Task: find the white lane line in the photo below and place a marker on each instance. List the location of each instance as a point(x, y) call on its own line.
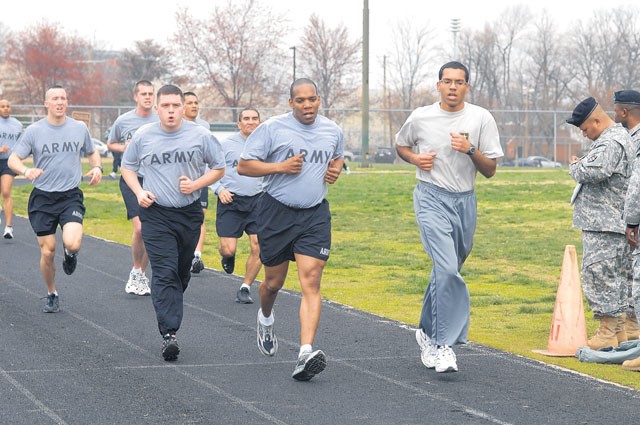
point(245, 404)
point(32, 398)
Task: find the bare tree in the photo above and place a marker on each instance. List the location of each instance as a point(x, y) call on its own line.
point(478, 51)
point(607, 48)
point(541, 80)
point(147, 60)
point(626, 21)
point(234, 50)
point(491, 54)
point(331, 59)
point(413, 50)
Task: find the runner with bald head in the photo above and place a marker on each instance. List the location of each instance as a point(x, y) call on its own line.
point(10, 130)
point(57, 144)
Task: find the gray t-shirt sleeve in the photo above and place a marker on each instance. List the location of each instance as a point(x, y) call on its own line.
point(213, 154)
point(131, 156)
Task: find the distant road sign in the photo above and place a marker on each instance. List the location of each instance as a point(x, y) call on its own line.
point(85, 117)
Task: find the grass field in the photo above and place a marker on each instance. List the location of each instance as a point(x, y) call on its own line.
point(378, 265)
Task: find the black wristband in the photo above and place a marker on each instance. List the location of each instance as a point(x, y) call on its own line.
point(631, 226)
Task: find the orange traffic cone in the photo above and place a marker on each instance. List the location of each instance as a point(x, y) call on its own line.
point(568, 327)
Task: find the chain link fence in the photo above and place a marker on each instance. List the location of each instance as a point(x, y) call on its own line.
point(523, 133)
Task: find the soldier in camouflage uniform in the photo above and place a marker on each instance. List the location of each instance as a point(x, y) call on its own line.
point(602, 176)
point(627, 113)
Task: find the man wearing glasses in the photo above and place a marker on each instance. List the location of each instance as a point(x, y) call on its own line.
point(448, 142)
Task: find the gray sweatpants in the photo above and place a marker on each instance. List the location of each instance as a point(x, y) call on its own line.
point(447, 223)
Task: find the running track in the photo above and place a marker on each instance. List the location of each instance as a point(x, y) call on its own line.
point(98, 361)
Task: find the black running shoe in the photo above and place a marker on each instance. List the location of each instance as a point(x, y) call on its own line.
point(228, 264)
point(69, 263)
point(197, 265)
point(170, 348)
point(309, 365)
point(52, 305)
point(243, 296)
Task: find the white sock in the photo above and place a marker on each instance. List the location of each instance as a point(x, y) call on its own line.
point(267, 321)
point(54, 292)
point(197, 254)
point(244, 285)
point(136, 271)
point(305, 348)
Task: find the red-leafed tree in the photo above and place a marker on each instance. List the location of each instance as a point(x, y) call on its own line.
point(42, 55)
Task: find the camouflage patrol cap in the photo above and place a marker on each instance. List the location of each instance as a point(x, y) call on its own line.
point(582, 111)
point(628, 97)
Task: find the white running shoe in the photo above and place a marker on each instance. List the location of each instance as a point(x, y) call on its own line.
point(8, 232)
point(133, 284)
point(428, 350)
point(143, 285)
point(446, 360)
point(266, 337)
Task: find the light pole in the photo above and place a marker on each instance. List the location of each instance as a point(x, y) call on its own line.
point(455, 29)
point(294, 61)
point(365, 84)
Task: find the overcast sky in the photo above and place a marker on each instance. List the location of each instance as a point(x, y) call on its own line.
point(115, 24)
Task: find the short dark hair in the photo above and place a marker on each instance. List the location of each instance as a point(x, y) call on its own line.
point(169, 89)
point(190, 93)
point(454, 65)
point(248, 109)
point(52, 87)
point(301, 82)
point(141, 83)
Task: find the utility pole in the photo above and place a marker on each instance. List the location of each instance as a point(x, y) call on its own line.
point(294, 61)
point(386, 98)
point(365, 85)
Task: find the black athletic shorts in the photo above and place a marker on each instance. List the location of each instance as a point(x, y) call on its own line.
point(47, 210)
point(130, 199)
point(284, 231)
point(239, 216)
point(204, 197)
point(4, 168)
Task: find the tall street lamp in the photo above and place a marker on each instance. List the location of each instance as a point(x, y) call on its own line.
point(455, 29)
point(294, 61)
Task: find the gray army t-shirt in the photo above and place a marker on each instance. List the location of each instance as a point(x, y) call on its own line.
point(127, 124)
point(10, 130)
point(163, 157)
point(232, 181)
point(281, 137)
point(57, 150)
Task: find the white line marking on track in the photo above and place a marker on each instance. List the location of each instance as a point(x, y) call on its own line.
point(32, 398)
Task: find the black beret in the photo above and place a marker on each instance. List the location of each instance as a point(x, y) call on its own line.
point(630, 97)
point(582, 111)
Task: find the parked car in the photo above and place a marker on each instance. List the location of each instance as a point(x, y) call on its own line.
point(101, 147)
point(348, 155)
point(506, 162)
point(385, 155)
point(538, 161)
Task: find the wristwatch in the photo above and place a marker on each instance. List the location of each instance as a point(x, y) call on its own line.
point(471, 150)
